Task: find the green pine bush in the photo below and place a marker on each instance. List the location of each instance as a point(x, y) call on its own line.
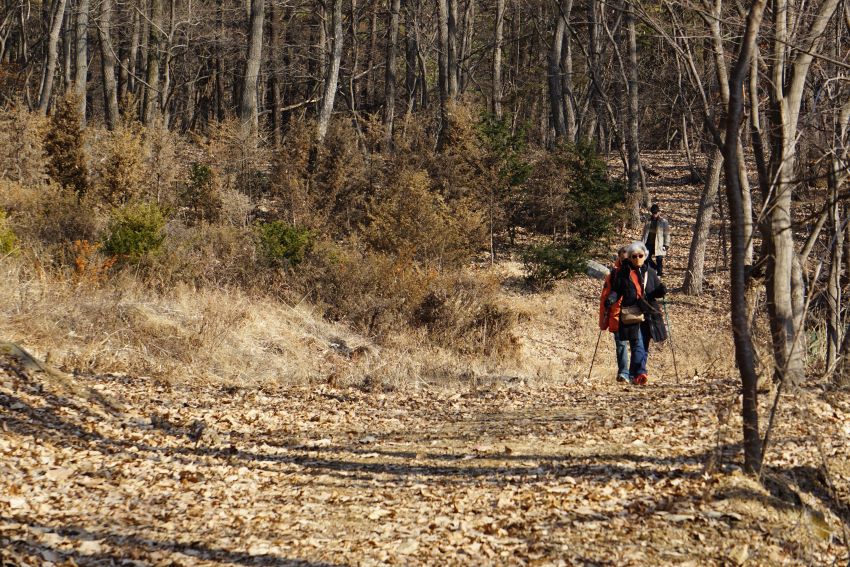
point(135, 230)
point(8, 240)
point(283, 245)
point(593, 203)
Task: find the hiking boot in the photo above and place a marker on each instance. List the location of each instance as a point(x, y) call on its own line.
point(640, 379)
point(622, 378)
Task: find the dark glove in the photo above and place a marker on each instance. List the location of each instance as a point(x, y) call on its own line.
point(658, 292)
point(611, 299)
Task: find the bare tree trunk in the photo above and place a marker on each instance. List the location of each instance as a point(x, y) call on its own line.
point(274, 80)
point(834, 325)
point(52, 56)
point(370, 58)
point(390, 74)
point(556, 96)
point(423, 71)
point(68, 51)
point(737, 274)
point(128, 71)
point(165, 92)
point(567, 74)
point(248, 105)
point(465, 45)
point(499, 36)
point(354, 50)
point(151, 105)
point(632, 138)
point(443, 66)
point(81, 57)
point(694, 275)
point(332, 74)
point(411, 48)
point(785, 291)
point(452, 49)
point(107, 61)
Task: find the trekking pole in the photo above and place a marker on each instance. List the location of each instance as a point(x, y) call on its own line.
point(672, 348)
point(593, 359)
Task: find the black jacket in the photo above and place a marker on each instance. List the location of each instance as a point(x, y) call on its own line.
point(653, 290)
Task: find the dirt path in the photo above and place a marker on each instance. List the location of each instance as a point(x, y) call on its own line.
point(590, 476)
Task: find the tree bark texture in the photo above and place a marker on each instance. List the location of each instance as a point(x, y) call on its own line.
point(332, 72)
point(107, 61)
point(52, 55)
point(81, 61)
point(390, 73)
point(248, 116)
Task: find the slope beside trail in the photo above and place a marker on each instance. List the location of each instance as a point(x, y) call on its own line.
point(553, 469)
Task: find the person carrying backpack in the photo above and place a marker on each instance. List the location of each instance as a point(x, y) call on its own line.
point(609, 319)
point(656, 237)
point(635, 289)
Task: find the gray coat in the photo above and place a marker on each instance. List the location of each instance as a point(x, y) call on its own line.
point(662, 236)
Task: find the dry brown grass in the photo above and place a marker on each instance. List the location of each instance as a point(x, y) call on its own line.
point(221, 335)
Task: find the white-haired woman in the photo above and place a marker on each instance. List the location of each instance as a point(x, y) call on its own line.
point(636, 287)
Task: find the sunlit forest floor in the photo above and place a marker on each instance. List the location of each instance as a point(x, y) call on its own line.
point(549, 465)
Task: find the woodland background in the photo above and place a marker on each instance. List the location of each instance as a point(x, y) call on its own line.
point(351, 174)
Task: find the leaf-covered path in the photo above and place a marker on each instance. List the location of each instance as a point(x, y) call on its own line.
point(509, 474)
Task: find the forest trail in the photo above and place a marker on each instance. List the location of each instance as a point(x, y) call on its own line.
point(558, 469)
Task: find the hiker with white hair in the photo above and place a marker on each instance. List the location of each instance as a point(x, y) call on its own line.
point(609, 317)
point(635, 288)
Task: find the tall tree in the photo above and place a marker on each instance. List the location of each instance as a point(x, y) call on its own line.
point(556, 95)
point(332, 71)
point(793, 51)
point(81, 63)
point(498, 39)
point(248, 105)
point(57, 16)
point(390, 72)
point(152, 95)
point(107, 61)
point(740, 323)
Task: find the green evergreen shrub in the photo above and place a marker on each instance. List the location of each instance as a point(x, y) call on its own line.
point(8, 240)
point(199, 196)
point(593, 204)
point(135, 230)
point(283, 245)
point(508, 164)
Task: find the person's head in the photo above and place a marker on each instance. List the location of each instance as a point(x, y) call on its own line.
point(637, 253)
point(621, 253)
point(655, 210)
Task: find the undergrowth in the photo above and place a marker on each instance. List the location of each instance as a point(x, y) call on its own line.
point(385, 244)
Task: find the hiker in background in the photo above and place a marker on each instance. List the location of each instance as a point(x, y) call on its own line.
point(656, 236)
point(635, 288)
point(609, 319)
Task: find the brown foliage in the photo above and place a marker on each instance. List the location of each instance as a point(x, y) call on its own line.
point(120, 175)
point(408, 219)
point(90, 267)
point(49, 215)
point(382, 294)
point(22, 145)
point(64, 146)
point(323, 188)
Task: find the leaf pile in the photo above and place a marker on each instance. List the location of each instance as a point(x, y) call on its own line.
point(560, 475)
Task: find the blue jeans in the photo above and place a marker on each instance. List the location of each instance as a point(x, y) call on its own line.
point(622, 347)
point(639, 346)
